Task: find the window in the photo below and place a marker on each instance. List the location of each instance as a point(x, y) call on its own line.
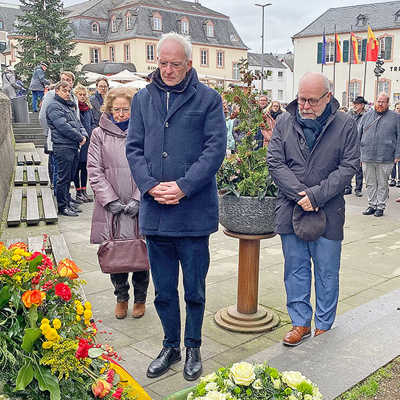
point(129, 22)
point(220, 59)
point(150, 52)
point(113, 24)
point(184, 26)
point(233, 37)
point(280, 94)
point(94, 55)
point(127, 52)
point(235, 71)
point(397, 18)
point(112, 54)
point(330, 52)
point(1, 25)
point(385, 48)
point(269, 74)
point(396, 97)
point(210, 29)
point(354, 89)
point(280, 75)
point(157, 24)
point(95, 27)
point(384, 86)
point(361, 20)
point(204, 57)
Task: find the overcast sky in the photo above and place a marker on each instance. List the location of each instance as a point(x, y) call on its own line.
point(283, 18)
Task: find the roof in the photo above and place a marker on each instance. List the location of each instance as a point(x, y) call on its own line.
point(379, 16)
point(287, 58)
point(8, 14)
point(106, 68)
point(255, 59)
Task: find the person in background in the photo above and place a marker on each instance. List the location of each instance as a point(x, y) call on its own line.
point(37, 85)
point(396, 166)
point(397, 107)
point(270, 115)
point(230, 142)
point(11, 86)
point(97, 99)
point(87, 120)
point(343, 109)
point(116, 193)
point(358, 110)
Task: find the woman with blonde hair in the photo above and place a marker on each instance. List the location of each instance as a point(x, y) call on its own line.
point(87, 120)
point(116, 193)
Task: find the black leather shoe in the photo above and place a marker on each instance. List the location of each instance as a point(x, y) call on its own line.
point(68, 213)
point(347, 190)
point(369, 211)
point(74, 208)
point(392, 182)
point(193, 367)
point(358, 193)
point(167, 357)
point(378, 213)
point(75, 201)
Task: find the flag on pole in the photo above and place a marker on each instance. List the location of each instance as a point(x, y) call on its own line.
point(323, 56)
point(372, 46)
point(339, 55)
point(354, 44)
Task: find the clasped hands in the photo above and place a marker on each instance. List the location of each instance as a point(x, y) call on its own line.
point(167, 193)
point(305, 202)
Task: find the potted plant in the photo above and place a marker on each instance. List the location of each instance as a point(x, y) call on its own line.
point(247, 193)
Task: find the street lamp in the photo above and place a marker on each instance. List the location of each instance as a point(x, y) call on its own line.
point(262, 43)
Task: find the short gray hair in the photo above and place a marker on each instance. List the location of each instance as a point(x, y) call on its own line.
point(176, 37)
point(316, 75)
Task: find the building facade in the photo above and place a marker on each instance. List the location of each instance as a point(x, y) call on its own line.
point(347, 79)
point(8, 16)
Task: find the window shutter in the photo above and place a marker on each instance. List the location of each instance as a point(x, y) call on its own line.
point(319, 53)
point(364, 50)
point(388, 48)
point(345, 50)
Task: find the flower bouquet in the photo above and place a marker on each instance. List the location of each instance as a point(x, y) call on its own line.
point(48, 347)
point(243, 381)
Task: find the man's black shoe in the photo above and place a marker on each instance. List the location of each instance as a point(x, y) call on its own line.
point(378, 213)
point(193, 367)
point(75, 201)
point(369, 211)
point(347, 190)
point(392, 182)
point(68, 212)
point(167, 357)
point(398, 183)
point(358, 193)
point(75, 208)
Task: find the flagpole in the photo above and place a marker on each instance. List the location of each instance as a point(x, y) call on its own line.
point(323, 51)
point(350, 59)
point(365, 72)
point(334, 64)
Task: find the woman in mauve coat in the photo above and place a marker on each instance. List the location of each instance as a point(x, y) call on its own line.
point(116, 193)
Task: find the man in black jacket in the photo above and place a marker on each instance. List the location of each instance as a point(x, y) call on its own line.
point(67, 134)
point(313, 154)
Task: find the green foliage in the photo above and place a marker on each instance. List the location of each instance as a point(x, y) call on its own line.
point(44, 34)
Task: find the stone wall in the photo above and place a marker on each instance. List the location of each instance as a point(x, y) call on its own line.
point(7, 152)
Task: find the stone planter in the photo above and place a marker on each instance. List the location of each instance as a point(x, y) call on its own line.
point(247, 215)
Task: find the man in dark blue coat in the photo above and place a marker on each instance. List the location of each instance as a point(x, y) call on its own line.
point(176, 144)
point(313, 154)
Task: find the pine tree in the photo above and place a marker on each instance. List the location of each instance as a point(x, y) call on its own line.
point(44, 35)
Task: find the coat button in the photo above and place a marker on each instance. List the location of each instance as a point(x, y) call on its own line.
point(164, 154)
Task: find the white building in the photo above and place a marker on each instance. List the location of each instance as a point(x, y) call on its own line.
point(278, 84)
point(384, 19)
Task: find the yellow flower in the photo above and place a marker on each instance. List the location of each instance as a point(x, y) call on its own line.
point(77, 303)
point(17, 278)
point(78, 318)
point(45, 321)
point(47, 345)
point(79, 310)
point(243, 373)
point(16, 257)
point(45, 328)
point(52, 335)
point(87, 314)
point(88, 305)
point(57, 323)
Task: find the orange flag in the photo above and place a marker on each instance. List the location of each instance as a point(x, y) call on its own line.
point(354, 43)
point(372, 46)
point(339, 55)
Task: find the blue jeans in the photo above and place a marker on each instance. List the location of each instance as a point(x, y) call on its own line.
point(325, 255)
point(165, 254)
point(37, 96)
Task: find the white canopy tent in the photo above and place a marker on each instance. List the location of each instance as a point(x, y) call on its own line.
point(124, 75)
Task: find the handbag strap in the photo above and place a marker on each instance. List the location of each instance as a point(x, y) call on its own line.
point(116, 228)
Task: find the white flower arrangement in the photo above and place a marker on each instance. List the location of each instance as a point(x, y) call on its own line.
point(244, 381)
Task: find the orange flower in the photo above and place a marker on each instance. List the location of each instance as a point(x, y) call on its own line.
point(67, 268)
point(33, 297)
point(20, 245)
point(101, 388)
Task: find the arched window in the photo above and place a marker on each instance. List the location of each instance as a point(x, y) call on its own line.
point(209, 29)
point(157, 22)
point(384, 86)
point(113, 24)
point(184, 25)
point(129, 21)
point(95, 27)
point(354, 88)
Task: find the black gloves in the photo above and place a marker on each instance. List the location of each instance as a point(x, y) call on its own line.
point(132, 208)
point(115, 207)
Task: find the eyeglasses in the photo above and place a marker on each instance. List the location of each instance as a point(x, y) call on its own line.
point(102, 87)
point(173, 65)
point(123, 110)
point(312, 102)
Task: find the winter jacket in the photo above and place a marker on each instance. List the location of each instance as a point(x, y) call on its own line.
point(380, 138)
point(96, 102)
point(88, 123)
point(38, 81)
point(177, 135)
point(110, 178)
point(322, 172)
point(66, 128)
point(10, 85)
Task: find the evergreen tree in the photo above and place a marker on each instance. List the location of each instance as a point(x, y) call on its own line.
point(44, 35)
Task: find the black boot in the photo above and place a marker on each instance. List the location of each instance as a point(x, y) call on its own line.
point(167, 357)
point(87, 198)
point(80, 196)
point(193, 367)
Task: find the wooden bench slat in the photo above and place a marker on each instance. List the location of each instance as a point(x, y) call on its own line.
point(49, 208)
point(43, 175)
point(14, 212)
point(35, 243)
point(30, 172)
point(36, 158)
point(59, 247)
point(28, 158)
point(32, 208)
point(19, 175)
point(20, 158)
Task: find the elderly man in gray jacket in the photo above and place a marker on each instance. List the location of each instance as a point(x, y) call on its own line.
point(380, 147)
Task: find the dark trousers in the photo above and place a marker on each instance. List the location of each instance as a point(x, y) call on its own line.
point(80, 179)
point(394, 171)
point(359, 180)
point(37, 96)
point(66, 161)
point(140, 283)
point(52, 168)
point(165, 254)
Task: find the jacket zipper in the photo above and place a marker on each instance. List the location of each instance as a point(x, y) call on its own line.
point(167, 101)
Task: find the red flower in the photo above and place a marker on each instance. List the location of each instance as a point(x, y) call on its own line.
point(62, 290)
point(83, 349)
point(117, 394)
point(110, 376)
point(19, 245)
